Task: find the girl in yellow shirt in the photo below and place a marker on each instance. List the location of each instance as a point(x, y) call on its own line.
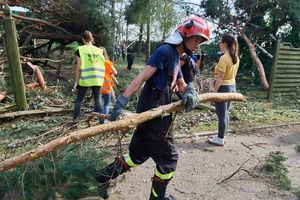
point(225, 73)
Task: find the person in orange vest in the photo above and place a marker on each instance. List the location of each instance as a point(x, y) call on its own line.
point(107, 87)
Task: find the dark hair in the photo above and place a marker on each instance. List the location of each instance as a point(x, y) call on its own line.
point(233, 46)
point(87, 36)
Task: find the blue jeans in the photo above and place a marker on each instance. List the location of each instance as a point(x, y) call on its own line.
point(106, 102)
point(80, 95)
point(222, 110)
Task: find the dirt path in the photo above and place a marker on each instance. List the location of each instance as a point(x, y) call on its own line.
point(201, 166)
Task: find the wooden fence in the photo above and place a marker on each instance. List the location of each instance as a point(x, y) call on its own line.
point(285, 74)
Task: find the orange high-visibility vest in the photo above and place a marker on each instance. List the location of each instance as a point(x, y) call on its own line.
point(108, 83)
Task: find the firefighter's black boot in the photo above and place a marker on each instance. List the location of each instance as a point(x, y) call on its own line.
point(105, 175)
point(158, 189)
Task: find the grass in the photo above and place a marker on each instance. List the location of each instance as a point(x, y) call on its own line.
point(297, 193)
point(277, 170)
point(257, 111)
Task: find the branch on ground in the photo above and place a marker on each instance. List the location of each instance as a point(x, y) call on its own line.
point(120, 125)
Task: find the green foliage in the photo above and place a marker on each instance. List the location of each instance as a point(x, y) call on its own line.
point(275, 166)
point(2, 88)
point(135, 11)
point(75, 16)
point(214, 8)
point(298, 148)
point(72, 46)
point(71, 176)
point(258, 19)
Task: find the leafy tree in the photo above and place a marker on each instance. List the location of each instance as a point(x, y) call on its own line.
point(158, 16)
point(74, 16)
point(256, 21)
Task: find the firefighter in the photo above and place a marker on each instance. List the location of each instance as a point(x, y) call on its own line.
point(154, 138)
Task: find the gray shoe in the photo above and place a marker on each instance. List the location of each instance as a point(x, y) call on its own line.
point(104, 190)
point(170, 197)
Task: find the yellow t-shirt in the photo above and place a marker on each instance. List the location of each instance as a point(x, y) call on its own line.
point(225, 65)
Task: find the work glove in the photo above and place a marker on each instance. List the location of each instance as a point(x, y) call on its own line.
point(190, 98)
point(118, 108)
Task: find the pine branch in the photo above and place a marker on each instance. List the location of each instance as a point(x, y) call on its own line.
point(120, 125)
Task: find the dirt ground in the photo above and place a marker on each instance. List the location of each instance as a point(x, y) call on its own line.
point(201, 166)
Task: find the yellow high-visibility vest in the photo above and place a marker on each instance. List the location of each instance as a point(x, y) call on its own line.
point(92, 66)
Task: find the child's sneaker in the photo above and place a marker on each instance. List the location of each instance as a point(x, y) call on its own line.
point(216, 140)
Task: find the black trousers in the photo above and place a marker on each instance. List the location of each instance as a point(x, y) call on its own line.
point(129, 61)
point(155, 139)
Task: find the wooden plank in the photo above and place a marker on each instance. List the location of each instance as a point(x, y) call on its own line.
point(290, 48)
point(285, 89)
point(296, 76)
point(287, 62)
point(289, 57)
point(273, 70)
point(286, 52)
point(288, 71)
point(280, 66)
point(287, 80)
point(284, 94)
point(286, 85)
point(282, 80)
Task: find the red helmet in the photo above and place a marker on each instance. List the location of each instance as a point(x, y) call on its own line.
point(194, 26)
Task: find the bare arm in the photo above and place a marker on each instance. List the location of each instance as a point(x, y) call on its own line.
point(114, 71)
point(77, 71)
point(143, 76)
point(181, 85)
point(218, 81)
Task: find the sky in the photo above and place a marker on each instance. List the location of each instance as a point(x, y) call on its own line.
point(133, 28)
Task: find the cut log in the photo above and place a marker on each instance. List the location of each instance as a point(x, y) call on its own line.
point(32, 85)
point(2, 95)
point(39, 76)
point(121, 125)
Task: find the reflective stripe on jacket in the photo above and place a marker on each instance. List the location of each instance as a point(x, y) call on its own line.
point(92, 66)
point(108, 83)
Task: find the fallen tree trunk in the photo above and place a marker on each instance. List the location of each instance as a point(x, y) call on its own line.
point(39, 76)
point(124, 124)
point(261, 71)
point(8, 108)
point(33, 112)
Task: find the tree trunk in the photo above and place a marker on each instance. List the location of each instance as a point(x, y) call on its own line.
point(261, 71)
point(113, 32)
point(148, 39)
point(13, 57)
point(123, 124)
point(139, 45)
